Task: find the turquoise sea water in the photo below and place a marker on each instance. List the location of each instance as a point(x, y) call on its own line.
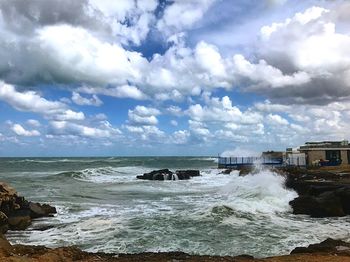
point(103, 207)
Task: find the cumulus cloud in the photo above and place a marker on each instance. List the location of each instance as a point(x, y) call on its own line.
point(104, 130)
point(309, 45)
point(181, 137)
point(31, 101)
point(80, 100)
point(20, 131)
point(181, 15)
point(147, 133)
point(144, 116)
point(33, 122)
point(124, 91)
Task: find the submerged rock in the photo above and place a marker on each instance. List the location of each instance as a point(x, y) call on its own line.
point(166, 174)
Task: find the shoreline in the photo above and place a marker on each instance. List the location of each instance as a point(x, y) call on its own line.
point(328, 250)
point(20, 212)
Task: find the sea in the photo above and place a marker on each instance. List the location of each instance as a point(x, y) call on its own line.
point(102, 207)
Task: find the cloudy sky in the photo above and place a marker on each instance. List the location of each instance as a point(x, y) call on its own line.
point(186, 77)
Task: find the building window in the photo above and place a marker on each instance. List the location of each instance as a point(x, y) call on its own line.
point(333, 156)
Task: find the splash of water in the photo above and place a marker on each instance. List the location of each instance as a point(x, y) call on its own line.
point(261, 191)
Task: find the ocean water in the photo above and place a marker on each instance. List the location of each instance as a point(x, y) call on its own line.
point(103, 207)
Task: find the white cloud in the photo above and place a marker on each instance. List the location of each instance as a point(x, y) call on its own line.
point(144, 116)
point(277, 119)
point(309, 45)
point(124, 91)
point(104, 130)
point(79, 100)
point(31, 101)
point(264, 75)
point(181, 137)
point(20, 131)
point(182, 15)
point(147, 133)
point(82, 56)
point(173, 122)
point(174, 110)
point(33, 122)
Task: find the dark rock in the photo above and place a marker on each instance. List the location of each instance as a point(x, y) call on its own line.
point(5, 244)
point(226, 171)
point(37, 210)
point(248, 257)
point(19, 220)
point(43, 227)
point(328, 246)
point(326, 205)
point(162, 174)
point(187, 174)
point(49, 209)
point(166, 174)
point(3, 223)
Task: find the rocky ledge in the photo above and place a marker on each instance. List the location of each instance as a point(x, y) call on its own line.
point(166, 174)
point(16, 213)
point(322, 193)
point(328, 250)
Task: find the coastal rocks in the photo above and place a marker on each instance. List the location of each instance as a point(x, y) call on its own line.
point(37, 210)
point(3, 223)
point(330, 246)
point(166, 174)
point(19, 220)
point(16, 213)
point(324, 206)
point(321, 194)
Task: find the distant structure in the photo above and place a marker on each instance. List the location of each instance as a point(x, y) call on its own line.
point(326, 153)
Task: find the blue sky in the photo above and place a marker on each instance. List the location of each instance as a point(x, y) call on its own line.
point(194, 77)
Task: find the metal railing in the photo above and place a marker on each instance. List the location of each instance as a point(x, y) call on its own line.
point(224, 162)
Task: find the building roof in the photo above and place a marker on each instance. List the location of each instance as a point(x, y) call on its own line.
point(344, 144)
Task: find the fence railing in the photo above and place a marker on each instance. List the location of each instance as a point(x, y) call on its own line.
point(246, 161)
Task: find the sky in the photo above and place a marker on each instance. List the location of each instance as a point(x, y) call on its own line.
point(175, 78)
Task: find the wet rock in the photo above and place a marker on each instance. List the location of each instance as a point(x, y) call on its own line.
point(321, 193)
point(16, 212)
point(37, 210)
point(3, 223)
point(19, 220)
point(328, 246)
point(5, 245)
point(166, 174)
point(326, 205)
point(226, 171)
point(187, 174)
point(162, 174)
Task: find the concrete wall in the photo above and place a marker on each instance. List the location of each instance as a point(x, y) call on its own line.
point(344, 157)
point(315, 155)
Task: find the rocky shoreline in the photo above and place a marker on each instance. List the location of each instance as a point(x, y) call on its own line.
point(322, 193)
point(17, 213)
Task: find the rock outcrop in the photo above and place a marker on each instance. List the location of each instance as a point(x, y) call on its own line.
point(166, 174)
point(330, 246)
point(329, 250)
point(16, 213)
point(321, 193)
